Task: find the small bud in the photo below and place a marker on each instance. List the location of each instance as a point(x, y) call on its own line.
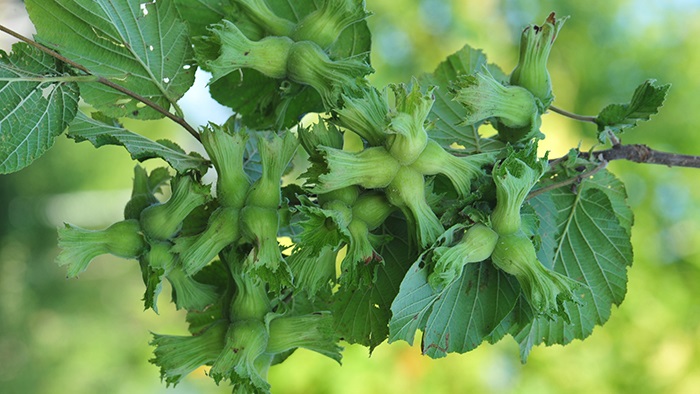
point(373, 209)
point(80, 246)
point(347, 195)
point(308, 64)
point(268, 56)
point(531, 72)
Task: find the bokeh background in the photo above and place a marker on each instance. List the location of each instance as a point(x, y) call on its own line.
point(91, 335)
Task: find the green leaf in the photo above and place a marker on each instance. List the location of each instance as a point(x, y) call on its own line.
point(271, 103)
point(199, 14)
point(469, 310)
point(99, 133)
point(215, 274)
point(252, 162)
point(140, 45)
point(153, 280)
point(362, 313)
point(32, 114)
point(614, 189)
point(447, 115)
point(646, 101)
point(458, 318)
point(592, 247)
point(413, 303)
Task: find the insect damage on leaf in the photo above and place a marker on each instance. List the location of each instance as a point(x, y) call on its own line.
point(402, 215)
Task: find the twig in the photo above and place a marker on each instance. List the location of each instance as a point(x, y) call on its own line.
point(640, 153)
point(637, 153)
point(104, 81)
point(614, 140)
point(572, 115)
point(578, 178)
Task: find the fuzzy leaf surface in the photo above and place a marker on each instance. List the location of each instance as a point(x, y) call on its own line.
point(457, 319)
point(99, 133)
point(201, 13)
point(645, 102)
point(446, 114)
point(140, 45)
point(32, 114)
point(592, 246)
point(362, 313)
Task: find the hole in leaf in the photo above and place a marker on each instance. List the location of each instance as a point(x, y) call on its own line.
point(123, 101)
point(47, 91)
point(143, 7)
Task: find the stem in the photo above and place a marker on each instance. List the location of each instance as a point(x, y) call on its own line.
point(42, 48)
point(572, 115)
point(67, 78)
point(177, 119)
point(640, 153)
point(613, 139)
point(569, 181)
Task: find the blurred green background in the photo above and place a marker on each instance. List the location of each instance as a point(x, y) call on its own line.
point(90, 335)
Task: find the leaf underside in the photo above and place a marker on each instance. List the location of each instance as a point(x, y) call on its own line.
point(593, 247)
point(362, 314)
point(32, 114)
point(99, 133)
point(446, 114)
point(584, 235)
point(645, 102)
point(141, 46)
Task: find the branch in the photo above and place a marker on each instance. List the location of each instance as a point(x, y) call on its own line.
point(640, 153)
point(177, 119)
point(637, 153)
